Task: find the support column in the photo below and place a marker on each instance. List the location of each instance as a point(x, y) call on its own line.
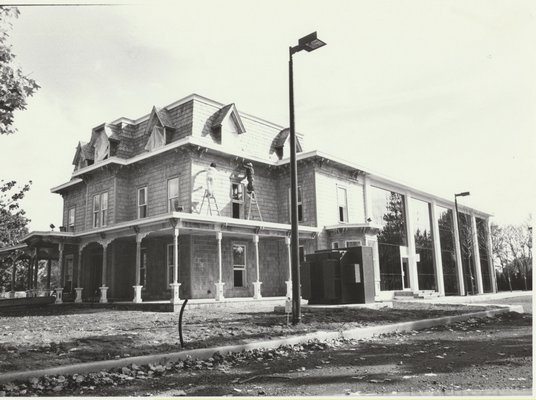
point(137, 287)
point(366, 198)
point(59, 290)
point(219, 284)
point(490, 258)
point(412, 260)
point(372, 241)
point(289, 281)
point(78, 289)
point(257, 284)
point(29, 277)
point(104, 288)
point(36, 273)
point(175, 299)
point(49, 268)
point(13, 276)
point(476, 256)
point(437, 251)
point(459, 264)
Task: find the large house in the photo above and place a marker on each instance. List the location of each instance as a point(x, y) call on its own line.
point(192, 201)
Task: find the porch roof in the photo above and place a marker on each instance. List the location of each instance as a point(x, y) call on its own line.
point(360, 227)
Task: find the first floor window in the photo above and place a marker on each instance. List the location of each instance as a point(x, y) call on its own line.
point(170, 263)
point(173, 194)
point(143, 267)
point(68, 274)
point(142, 202)
point(342, 202)
point(353, 243)
point(71, 219)
point(237, 198)
point(300, 205)
point(334, 245)
point(239, 265)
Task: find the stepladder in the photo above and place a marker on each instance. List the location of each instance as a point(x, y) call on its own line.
point(211, 202)
point(252, 200)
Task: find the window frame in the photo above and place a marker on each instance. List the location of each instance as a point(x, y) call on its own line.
point(299, 201)
point(143, 267)
point(234, 200)
point(171, 207)
point(238, 267)
point(71, 222)
point(69, 270)
point(170, 264)
point(104, 211)
point(334, 245)
point(139, 206)
point(359, 243)
point(96, 210)
point(345, 216)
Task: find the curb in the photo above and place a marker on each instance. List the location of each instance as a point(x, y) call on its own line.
point(354, 333)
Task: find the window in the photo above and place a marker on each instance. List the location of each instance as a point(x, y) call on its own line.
point(353, 243)
point(100, 210)
point(334, 245)
point(68, 273)
point(239, 265)
point(142, 202)
point(143, 267)
point(104, 209)
point(300, 205)
point(301, 253)
point(170, 263)
point(342, 204)
point(173, 194)
point(237, 199)
point(71, 219)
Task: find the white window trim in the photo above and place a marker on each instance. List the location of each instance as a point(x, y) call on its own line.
point(299, 203)
point(170, 208)
point(244, 268)
point(103, 216)
point(71, 227)
point(96, 213)
point(335, 245)
point(141, 205)
point(346, 214)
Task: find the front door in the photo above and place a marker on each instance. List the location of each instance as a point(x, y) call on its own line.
point(405, 273)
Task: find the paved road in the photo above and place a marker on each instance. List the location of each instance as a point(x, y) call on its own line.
point(489, 356)
point(525, 301)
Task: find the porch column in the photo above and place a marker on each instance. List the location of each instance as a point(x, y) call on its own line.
point(437, 251)
point(459, 264)
point(289, 281)
point(175, 285)
point(490, 258)
point(36, 273)
point(59, 290)
point(78, 276)
point(412, 259)
point(104, 288)
point(29, 277)
point(366, 198)
point(49, 267)
point(219, 284)
point(476, 256)
point(137, 287)
point(372, 241)
point(13, 276)
point(257, 284)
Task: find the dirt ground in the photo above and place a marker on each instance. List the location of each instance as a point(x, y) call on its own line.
point(58, 336)
point(488, 356)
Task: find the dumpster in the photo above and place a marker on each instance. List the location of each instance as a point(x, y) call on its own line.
point(338, 276)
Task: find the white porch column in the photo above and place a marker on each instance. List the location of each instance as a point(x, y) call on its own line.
point(175, 299)
point(437, 250)
point(459, 265)
point(490, 258)
point(78, 289)
point(137, 287)
point(59, 290)
point(219, 284)
point(104, 288)
point(366, 198)
point(476, 256)
point(257, 284)
point(289, 281)
point(412, 260)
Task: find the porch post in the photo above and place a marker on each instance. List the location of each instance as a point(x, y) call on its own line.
point(104, 288)
point(175, 299)
point(288, 282)
point(36, 273)
point(49, 267)
point(137, 287)
point(219, 284)
point(257, 284)
point(29, 277)
point(476, 256)
point(59, 290)
point(459, 264)
point(437, 250)
point(412, 259)
point(13, 276)
point(78, 276)
point(490, 258)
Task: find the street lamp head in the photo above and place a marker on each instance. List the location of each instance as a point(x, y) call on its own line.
point(308, 43)
point(462, 194)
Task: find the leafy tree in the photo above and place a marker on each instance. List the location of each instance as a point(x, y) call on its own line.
point(15, 87)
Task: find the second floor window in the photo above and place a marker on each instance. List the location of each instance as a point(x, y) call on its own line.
point(142, 202)
point(100, 210)
point(70, 222)
point(237, 199)
point(173, 194)
point(300, 205)
point(342, 203)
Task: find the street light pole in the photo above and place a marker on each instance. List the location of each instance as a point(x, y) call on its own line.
point(307, 43)
point(456, 195)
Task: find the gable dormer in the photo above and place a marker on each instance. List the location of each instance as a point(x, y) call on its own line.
point(227, 121)
point(159, 129)
point(83, 156)
point(280, 147)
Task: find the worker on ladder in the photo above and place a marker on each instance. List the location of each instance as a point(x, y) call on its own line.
point(250, 190)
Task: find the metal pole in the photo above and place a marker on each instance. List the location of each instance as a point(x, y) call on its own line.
point(296, 311)
point(459, 235)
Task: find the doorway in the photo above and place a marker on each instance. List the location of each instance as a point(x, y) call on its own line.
point(405, 273)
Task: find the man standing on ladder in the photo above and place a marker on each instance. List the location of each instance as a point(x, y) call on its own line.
point(250, 190)
point(209, 190)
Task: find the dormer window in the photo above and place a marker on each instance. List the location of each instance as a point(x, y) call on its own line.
point(102, 147)
point(157, 138)
point(227, 121)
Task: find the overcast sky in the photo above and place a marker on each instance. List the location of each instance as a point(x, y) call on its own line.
point(437, 94)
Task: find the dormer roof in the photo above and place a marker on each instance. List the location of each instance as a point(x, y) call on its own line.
point(160, 115)
point(228, 111)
